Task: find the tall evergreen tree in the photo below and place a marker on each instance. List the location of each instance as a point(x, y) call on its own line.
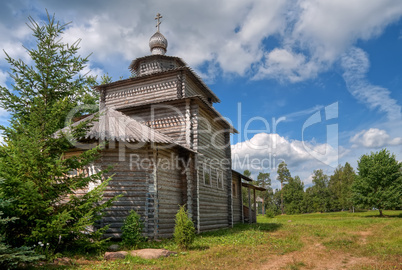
point(307, 204)
point(293, 194)
point(320, 191)
point(283, 177)
point(340, 187)
point(37, 174)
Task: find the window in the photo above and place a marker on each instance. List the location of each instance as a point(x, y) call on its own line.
point(207, 175)
point(219, 178)
point(234, 190)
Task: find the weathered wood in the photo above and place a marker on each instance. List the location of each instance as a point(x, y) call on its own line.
point(170, 98)
point(249, 207)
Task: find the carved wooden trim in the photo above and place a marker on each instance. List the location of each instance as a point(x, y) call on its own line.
point(141, 90)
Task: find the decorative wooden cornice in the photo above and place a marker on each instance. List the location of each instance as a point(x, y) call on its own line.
point(141, 90)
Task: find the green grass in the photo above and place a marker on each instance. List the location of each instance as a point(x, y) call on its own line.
point(252, 246)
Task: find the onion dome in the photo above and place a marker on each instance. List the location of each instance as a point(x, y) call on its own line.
point(158, 44)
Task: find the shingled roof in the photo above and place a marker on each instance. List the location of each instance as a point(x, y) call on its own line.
point(114, 125)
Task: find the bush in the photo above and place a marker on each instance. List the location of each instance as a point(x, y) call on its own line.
point(184, 231)
point(132, 230)
point(269, 213)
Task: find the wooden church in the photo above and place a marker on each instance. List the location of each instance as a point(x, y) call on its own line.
point(168, 147)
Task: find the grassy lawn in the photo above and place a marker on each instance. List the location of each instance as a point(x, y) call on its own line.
point(310, 241)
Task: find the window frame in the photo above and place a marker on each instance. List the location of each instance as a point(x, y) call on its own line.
point(234, 189)
point(207, 169)
point(219, 173)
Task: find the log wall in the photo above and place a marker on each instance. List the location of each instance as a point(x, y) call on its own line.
point(135, 181)
point(167, 119)
point(214, 201)
point(171, 179)
point(191, 89)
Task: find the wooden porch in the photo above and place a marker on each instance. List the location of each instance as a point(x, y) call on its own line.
point(250, 210)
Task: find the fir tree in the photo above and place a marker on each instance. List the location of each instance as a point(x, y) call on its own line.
point(37, 175)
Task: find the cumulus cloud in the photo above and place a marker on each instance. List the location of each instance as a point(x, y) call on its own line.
point(374, 138)
point(263, 152)
point(311, 35)
point(321, 31)
point(284, 65)
point(356, 64)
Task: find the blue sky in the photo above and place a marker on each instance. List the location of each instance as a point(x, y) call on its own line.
point(328, 73)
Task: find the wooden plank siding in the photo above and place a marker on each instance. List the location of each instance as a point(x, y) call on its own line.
point(136, 185)
point(191, 90)
point(214, 202)
point(171, 179)
point(176, 103)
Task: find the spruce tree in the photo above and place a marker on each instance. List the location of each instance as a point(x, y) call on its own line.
point(37, 174)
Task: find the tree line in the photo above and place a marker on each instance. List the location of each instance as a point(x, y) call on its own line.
point(376, 184)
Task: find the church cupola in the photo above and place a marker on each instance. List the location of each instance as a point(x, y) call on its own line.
point(156, 62)
point(158, 43)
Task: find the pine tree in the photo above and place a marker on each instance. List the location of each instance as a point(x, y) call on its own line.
point(283, 177)
point(293, 194)
point(340, 187)
point(37, 175)
point(320, 192)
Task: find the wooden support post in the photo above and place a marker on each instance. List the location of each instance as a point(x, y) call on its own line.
point(249, 207)
point(189, 187)
point(255, 207)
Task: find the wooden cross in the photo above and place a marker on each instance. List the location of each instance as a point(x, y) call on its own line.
point(158, 17)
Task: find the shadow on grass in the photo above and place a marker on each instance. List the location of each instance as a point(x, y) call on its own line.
point(396, 215)
point(46, 266)
point(239, 228)
point(199, 247)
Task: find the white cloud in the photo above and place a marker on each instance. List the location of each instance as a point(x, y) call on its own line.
point(311, 34)
point(356, 64)
point(374, 138)
point(91, 71)
point(321, 31)
point(3, 78)
point(329, 27)
point(265, 151)
point(3, 113)
point(286, 65)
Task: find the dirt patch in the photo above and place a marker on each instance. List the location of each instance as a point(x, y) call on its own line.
point(363, 236)
point(317, 256)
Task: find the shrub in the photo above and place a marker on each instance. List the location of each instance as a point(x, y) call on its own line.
point(184, 231)
point(269, 213)
point(132, 230)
